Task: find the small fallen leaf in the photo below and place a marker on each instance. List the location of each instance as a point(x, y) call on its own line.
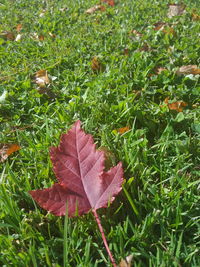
point(19, 27)
point(6, 150)
point(38, 37)
point(7, 35)
point(96, 64)
point(175, 10)
point(126, 262)
point(195, 16)
point(178, 105)
point(169, 30)
point(135, 32)
point(41, 37)
point(135, 35)
point(159, 25)
point(41, 78)
point(123, 130)
point(188, 69)
point(109, 2)
point(157, 71)
point(94, 9)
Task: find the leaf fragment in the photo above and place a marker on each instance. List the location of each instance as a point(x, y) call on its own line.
point(41, 78)
point(19, 27)
point(177, 105)
point(95, 8)
point(175, 10)
point(195, 16)
point(7, 35)
point(96, 64)
point(123, 130)
point(6, 150)
point(126, 262)
point(109, 2)
point(188, 69)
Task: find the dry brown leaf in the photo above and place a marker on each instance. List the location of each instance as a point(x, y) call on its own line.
point(169, 30)
point(158, 70)
point(123, 130)
point(19, 27)
point(96, 64)
point(195, 16)
point(10, 36)
point(159, 25)
point(39, 37)
point(94, 9)
point(135, 35)
point(178, 105)
point(109, 2)
point(188, 69)
point(175, 10)
point(41, 78)
point(6, 150)
point(126, 262)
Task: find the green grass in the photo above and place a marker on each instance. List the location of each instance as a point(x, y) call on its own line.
point(156, 218)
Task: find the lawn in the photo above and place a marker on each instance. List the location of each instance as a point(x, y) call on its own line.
point(130, 72)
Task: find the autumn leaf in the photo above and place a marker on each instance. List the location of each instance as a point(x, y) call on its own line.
point(123, 130)
point(82, 181)
point(96, 64)
point(41, 78)
point(126, 262)
point(135, 35)
point(94, 9)
point(157, 70)
point(109, 2)
point(177, 105)
point(195, 16)
point(6, 150)
point(169, 30)
point(188, 69)
point(38, 37)
point(7, 35)
point(175, 10)
point(19, 27)
point(159, 25)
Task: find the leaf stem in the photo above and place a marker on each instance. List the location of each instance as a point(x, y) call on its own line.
point(104, 238)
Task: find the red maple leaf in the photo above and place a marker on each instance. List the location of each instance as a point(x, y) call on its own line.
point(82, 182)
